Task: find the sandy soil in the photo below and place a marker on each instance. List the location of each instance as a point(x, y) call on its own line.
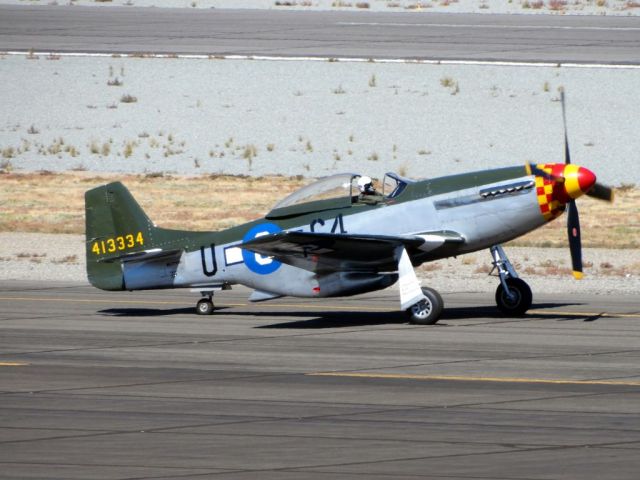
point(192, 116)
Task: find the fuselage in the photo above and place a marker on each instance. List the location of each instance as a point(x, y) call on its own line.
point(125, 251)
point(485, 208)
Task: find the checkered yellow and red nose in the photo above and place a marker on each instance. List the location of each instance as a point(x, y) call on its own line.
point(563, 183)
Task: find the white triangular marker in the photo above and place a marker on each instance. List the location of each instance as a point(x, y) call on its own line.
point(410, 291)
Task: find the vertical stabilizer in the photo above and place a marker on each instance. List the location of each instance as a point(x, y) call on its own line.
point(115, 225)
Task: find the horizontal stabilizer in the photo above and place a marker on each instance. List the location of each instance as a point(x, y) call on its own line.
point(154, 253)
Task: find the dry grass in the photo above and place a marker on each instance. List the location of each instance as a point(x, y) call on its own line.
point(557, 5)
point(73, 259)
point(451, 84)
point(54, 203)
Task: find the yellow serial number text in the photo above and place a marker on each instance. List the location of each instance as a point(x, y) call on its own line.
point(111, 245)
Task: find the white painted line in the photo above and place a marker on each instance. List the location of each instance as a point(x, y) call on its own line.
point(273, 58)
point(488, 26)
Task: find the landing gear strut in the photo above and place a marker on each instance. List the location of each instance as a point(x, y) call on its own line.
point(513, 295)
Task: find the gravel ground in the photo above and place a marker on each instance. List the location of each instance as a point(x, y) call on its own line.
point(48, 257)
point(573, 7)
point(313, 118)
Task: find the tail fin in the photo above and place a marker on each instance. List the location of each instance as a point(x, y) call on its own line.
point(116, 225)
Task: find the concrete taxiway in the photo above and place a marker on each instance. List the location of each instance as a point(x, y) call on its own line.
point(135, 385)
point(479, 37)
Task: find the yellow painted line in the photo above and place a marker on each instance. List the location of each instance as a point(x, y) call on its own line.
point(584, 314)
point(13, 364)
point(85, 300)
point(320, 306)
point(164, 302)
point(455, 378)
point(331, 307)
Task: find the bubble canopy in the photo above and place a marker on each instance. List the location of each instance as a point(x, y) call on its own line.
point(335, 191)
point(334, 186)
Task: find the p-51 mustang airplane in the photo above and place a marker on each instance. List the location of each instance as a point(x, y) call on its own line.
point(328, 239)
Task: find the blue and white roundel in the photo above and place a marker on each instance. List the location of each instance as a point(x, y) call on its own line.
point(254, 261)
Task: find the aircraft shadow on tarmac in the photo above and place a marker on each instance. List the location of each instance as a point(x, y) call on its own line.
point(335, 319)
point(340, 319)
point(150, 312)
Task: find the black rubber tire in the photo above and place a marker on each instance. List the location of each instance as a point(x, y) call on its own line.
point(204, 307)
point(428, 311)
point(520, 304)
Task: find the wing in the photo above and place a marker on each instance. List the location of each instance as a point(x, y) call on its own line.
point(328, 252)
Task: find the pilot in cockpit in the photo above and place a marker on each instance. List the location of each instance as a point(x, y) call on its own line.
point(368, 193)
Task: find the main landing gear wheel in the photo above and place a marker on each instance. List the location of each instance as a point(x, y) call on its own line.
point(204, 307)
point(520, 300)
point(427, 312)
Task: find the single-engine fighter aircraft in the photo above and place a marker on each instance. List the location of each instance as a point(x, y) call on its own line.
point(339, 237)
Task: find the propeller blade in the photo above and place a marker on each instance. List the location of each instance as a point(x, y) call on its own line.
point(575, 244)
point(601, 192)
point(567, 156)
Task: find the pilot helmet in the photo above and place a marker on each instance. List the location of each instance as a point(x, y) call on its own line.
point(365, 184)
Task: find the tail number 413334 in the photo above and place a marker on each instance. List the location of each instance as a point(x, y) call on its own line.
point(117, 244)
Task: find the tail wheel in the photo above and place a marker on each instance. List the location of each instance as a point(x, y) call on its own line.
point(428, 311)
point(204, 307)
point(520, 301)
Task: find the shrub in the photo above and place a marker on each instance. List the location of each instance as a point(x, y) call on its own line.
point(249, 152)
point(6, 166)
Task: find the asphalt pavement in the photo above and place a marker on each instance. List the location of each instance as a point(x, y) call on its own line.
point(430, 36)
point(135, 385)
